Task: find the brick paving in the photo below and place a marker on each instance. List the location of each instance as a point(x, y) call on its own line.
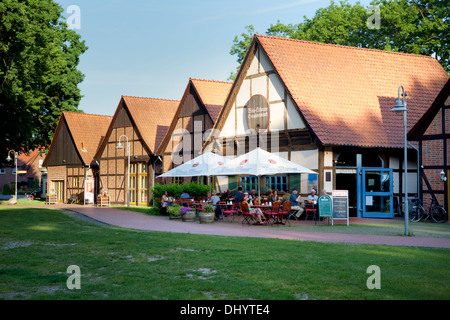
point(140, 221)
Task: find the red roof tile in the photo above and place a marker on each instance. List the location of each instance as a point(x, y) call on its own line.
point(345, 94)
point(152, 117)
point(87, 131)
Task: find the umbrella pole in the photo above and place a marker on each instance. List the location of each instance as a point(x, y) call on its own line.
point(259, 189)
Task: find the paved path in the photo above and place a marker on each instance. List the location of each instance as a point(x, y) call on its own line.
point(140, 221)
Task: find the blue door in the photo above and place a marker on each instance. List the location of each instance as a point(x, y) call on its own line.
point(377, 193)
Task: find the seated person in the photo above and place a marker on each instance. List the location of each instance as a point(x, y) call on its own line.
point(185, 195)
point(166, 200)
point(274, 197)
point(312, 197)
point(215, 198)
point(208, 197)
point(226, 195)
point(239, 195)
point(245, 207)
point(253, 195)
point(294, 198)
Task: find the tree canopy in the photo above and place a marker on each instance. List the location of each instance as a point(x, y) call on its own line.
point(410, 26)
point(39, 78)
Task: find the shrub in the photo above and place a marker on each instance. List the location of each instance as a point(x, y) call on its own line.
point(174, 190)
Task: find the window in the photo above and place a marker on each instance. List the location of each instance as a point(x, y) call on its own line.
point(248, 183)
point(276, 183)
point(178, 180)
point(75, 182)
point(312, 182)
point(2, 170)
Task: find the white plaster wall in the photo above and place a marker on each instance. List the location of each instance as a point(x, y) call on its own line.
point(229, 126)
point(276, 116)
point(244, 93)
point(307, 158)
point(259, 86)
point(276, 88)
point(265, 64)
point(241, 117)
point(293, 117)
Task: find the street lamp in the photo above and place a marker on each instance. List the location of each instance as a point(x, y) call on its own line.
point(120, 146)
point(400, 108)
point(15, 161)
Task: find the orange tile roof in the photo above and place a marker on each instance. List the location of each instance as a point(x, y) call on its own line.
point(212, 92)
point(152, 117)
point(87, 131)
point(213, 95)
point(345, 94)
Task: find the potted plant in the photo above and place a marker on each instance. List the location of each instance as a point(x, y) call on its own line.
point(174, 211)
point(188, 214)
point(207, 215)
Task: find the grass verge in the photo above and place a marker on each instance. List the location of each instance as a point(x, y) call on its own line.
point(38, 244)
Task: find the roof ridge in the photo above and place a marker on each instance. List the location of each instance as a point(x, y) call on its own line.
point(208, 80)
point(344, 46)
point(160, 99)
point(87, 114)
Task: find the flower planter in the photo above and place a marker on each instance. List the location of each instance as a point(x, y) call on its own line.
point(102, 201)
point(206, 217)
point(51, 199)
point(189, 216)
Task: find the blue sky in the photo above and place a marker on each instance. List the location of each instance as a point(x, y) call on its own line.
point(151, 48)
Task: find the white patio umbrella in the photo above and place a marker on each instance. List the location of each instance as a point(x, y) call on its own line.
point(259, 163)
point(199, 166)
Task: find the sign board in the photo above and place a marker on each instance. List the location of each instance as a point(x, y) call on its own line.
point(21, 171)
point(325, 206)
point(340, 205)
point(258, 113)
point(89, 191)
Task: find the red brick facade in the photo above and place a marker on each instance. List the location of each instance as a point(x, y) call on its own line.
point(433, 134)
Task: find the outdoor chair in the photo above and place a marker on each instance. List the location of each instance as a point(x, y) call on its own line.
point(286, 210)
point(246, 214)
point(229, 213)
point(310, 211)
point(274, 212)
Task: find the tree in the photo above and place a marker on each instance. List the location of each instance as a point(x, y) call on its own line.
point(38, 72)
point(410, 26)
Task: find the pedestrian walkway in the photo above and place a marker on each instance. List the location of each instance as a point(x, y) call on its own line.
point(140, 221)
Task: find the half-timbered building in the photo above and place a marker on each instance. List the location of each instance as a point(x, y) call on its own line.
point(432, 132)
point(138, 127)
point(328, 108)
point(71, 153)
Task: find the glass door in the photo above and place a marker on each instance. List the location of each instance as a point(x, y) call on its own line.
point(133, 183)
point(143, 184)
point(377, 195)
point(58, 187)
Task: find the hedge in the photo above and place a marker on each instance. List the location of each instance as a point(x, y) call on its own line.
point(175, 190)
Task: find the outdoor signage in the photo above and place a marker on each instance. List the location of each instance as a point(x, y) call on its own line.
point(325, 204)
point(340, 205)
point(258, 113)
point(89, 191)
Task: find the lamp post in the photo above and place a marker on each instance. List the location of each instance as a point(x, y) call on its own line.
point(120, 146)
point(400, 108)
point(15, 161)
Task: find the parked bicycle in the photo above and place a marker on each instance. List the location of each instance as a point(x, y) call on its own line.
point(418, 212)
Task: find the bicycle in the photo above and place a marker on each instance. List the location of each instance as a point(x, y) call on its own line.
point(419, 213)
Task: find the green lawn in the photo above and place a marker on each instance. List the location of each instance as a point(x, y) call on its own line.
point(38, 244)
